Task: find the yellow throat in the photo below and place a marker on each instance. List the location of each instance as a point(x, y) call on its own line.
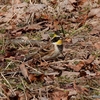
point(59, 42)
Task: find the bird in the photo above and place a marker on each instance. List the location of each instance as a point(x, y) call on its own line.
point(48, 50)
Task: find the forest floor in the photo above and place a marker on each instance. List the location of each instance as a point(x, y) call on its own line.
point(73, 77)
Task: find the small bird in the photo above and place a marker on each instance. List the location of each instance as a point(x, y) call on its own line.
point(48, 51)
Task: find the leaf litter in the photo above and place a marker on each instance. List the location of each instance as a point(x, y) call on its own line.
point(73, 77)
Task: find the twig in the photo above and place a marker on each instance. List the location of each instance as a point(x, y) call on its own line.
point(7, 83)
point(24, 89)
point(33, 68)
point(8, 64)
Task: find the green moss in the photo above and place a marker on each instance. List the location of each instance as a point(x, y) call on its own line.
point(64, 79)
point(26, 1)
point(76, 62)
point(20, 86)
point(2, 51)
point(2, 30)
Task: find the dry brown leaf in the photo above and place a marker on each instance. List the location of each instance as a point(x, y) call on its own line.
point(14, 2)
point(67, 39)
point(94, 12)
point(20, 5)
point(36, 8)
point(2, 14)
point(37, 26)
point(73, 1)
point(80, 89)
point(82, 73)
point(79, 66)
point(55, 25)
point(96, 28)
point(1, 58)
point(10, 52)
point(98, 73)
point(32, 78)
point(81, 2)
point(60, 95)
point(97, 99)
point(65, 5)
point(44, 64)
point(54, 2)
point(24, 96)
point(45, 36)
point(95, 32)
point(69, 74)
point(45, 16)
point(45, 2)
point(24, 70)
point(40, 77)
point(33, 26)
point(11, 94)
point(82, 20)
point(98, 15)
point(90, 73)
point(90, 59)
point(83, 63)
point(97, 45)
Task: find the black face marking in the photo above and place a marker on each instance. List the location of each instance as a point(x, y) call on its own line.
point(60, 47)
point(55, 39)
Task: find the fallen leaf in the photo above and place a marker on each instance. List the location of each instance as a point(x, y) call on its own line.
point(97, 45)
point(81, 2)
point(65, 5)
point(90, 73)
point(28, 28)
point(90, 59)
point(82, 19)
point(69, 74)
point(11, 94)
point(2, 36)
point(73, 1)
point(55, 25)
point(54, 2)
point(24, 71)
point(98, 73)
point(80, 89)
point(95, 32)
point(40, 77)
point(82, 73)
point(15, 2)
point(59, 95)
point(36, 7)
point(79, 66)
point(45, 37)
point(98, 15)
point(94, 12)
point(68, 40)
point(44, 64)
point(32, 78)
point(2, 58)
point(10, 52)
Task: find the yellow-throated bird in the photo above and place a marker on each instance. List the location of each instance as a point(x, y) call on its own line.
point(49, 50)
